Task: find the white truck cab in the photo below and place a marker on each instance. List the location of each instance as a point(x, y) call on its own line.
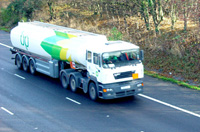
point(118, 68)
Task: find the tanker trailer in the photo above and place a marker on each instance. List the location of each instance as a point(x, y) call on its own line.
point(104, 69)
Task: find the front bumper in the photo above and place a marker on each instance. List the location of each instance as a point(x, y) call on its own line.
point(121, 89)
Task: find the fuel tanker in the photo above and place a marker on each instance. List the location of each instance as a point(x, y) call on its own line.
point(104, 69)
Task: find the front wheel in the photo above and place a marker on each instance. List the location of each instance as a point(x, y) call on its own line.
point(93, 91)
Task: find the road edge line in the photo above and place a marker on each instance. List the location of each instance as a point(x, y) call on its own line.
point(73, 100)
point(5, 45)
point(19, 76)
point(7, 111)
point(169, 105)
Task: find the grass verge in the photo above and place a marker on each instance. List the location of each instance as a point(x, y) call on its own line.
point(4, 29)
point(180, 83)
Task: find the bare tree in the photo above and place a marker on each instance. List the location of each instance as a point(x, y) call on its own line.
point(173, 13)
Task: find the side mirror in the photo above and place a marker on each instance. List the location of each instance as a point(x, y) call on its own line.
point(141, 55)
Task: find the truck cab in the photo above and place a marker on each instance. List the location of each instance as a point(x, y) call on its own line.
point(117, 68)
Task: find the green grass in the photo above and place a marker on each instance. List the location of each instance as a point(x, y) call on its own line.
point(4, 29)
point(181, 83)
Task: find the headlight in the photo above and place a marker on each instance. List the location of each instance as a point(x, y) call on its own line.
point(140, 85)
point(107, 90)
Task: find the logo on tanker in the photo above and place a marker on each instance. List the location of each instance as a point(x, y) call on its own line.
point(24, 40)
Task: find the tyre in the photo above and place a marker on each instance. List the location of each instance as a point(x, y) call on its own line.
point(18, 61)
point(73, 84)
point(32, 67)
point(63, 80)
point(25, 64)
point(93, 91)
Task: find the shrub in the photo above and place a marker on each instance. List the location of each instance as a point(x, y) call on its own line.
point(18, 10)
point(116, 35)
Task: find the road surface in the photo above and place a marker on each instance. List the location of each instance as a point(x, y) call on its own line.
point(39, 104)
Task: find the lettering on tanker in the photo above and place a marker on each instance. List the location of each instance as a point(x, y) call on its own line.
point(24, 40)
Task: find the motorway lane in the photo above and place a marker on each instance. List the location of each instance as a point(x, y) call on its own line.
point(39, 104)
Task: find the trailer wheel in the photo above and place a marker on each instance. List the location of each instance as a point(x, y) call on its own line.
point(18, 61)
point(25, 63)
point(93, 91)
point(32, 67)
point(73, 84)
point(63, 80)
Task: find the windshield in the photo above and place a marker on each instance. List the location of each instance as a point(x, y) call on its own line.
point(119, 58)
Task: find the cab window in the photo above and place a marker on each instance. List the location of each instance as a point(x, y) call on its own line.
point(89, 56)
point(96, 59)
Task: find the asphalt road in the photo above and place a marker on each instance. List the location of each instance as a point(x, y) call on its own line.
point(39, 104)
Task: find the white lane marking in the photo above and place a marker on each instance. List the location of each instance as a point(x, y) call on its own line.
point(6, 45)
point(7, 111)
point(169, 105)
point(73, 100)
point(19, 76)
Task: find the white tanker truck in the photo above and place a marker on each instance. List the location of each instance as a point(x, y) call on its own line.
point(104, 69)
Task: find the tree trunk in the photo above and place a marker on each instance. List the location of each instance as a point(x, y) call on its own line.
point(185, 18)
point(50, 4)
point(145, 13)
point(173, 14)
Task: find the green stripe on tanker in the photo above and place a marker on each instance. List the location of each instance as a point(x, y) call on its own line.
point(65, 35)
point(56, 52)
point(47, 47)
point(51, 49)
point(50, 45)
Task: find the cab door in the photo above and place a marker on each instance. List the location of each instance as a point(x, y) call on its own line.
point(93, 63)
point(97, 65)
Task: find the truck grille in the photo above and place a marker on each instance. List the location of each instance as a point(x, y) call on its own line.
point(123, 74)
point(125, 93)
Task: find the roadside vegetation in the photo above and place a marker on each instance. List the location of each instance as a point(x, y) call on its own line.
point(167, 30)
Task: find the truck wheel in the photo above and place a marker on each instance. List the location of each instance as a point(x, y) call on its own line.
point(93, 91)
point(73, 84)
point(63, 80)
point(32, 67)
point(18, 61)
point(25, 64)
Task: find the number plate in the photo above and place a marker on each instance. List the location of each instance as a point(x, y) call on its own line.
point(126, 87)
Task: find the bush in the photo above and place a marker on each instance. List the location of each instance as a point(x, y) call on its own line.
point(5, 16)
point(18, 10)
point(116, 35)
